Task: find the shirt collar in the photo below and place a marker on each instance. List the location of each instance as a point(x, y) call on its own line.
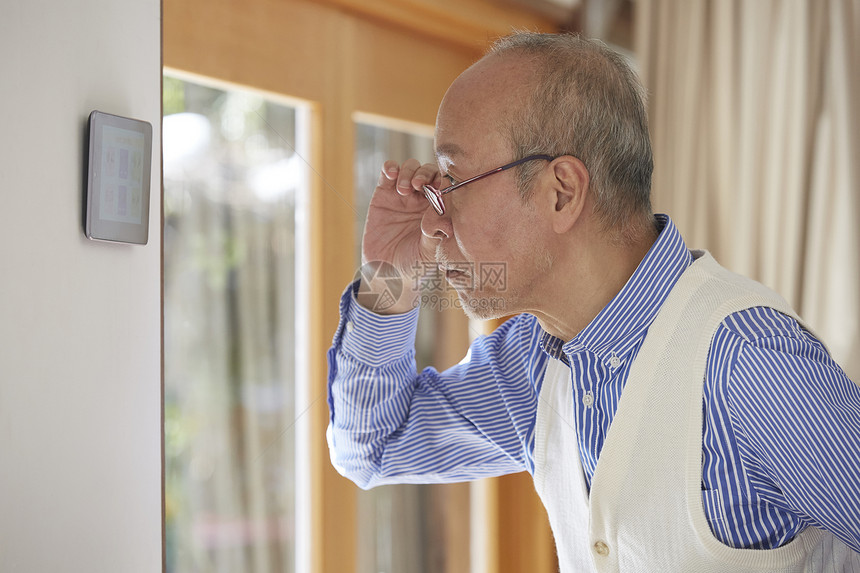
point(617, 329)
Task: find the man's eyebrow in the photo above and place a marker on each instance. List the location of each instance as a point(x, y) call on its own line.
point(448, 150)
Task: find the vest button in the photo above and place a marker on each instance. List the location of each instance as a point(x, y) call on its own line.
point(601, 549)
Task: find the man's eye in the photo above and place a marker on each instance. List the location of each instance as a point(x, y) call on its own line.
point(450, 179)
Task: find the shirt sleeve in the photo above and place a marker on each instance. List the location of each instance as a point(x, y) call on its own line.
point(796, 416)
point(390, 424)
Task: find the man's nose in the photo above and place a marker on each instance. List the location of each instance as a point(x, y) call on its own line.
point(436, 226)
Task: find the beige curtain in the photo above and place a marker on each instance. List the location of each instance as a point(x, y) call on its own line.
point(755, 117)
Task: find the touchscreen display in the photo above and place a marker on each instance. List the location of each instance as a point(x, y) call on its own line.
point(120, 156)
point(122, 177)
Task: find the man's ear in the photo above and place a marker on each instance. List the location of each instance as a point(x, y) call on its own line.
point(570, 187)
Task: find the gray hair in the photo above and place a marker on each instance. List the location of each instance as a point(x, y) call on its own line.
point(587, 102)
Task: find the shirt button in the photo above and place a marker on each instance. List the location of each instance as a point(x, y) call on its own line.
point(588, 399)
point(614, 362)
point(349, 326)
point(601, 549)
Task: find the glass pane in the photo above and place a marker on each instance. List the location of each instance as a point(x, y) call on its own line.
point(373, 146)
point(232, 179)
point(402, 528)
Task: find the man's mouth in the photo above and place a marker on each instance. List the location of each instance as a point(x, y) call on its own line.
point(456, 273)
point(458, 277)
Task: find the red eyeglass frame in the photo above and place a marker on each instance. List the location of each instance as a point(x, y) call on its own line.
point(434, 196)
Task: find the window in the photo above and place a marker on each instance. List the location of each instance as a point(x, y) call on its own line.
point(353, 62)
point(234, 187)
point(404, 528)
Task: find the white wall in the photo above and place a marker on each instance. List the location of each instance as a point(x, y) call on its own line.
point(80, 460)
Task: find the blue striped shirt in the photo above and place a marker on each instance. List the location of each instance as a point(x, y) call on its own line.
point(781, 440)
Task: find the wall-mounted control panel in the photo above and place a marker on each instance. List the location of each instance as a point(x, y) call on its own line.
point(118, 178)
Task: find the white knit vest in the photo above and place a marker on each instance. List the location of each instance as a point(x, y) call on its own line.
point(645, 510)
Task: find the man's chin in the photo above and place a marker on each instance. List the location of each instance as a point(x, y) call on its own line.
point(482, 306)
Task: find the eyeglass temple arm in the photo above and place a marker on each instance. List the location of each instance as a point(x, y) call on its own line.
point(496, 170)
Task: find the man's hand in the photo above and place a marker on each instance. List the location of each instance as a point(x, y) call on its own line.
point(392, 235)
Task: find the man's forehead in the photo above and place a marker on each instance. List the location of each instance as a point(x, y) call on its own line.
point(470, 125)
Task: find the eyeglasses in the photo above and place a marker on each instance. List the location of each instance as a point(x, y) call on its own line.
point(435, 195)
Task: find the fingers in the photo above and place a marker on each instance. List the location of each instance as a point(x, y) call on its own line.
point(410, 176)
point(390, 169)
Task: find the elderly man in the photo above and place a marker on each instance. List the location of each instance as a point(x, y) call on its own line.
point(674, 416)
